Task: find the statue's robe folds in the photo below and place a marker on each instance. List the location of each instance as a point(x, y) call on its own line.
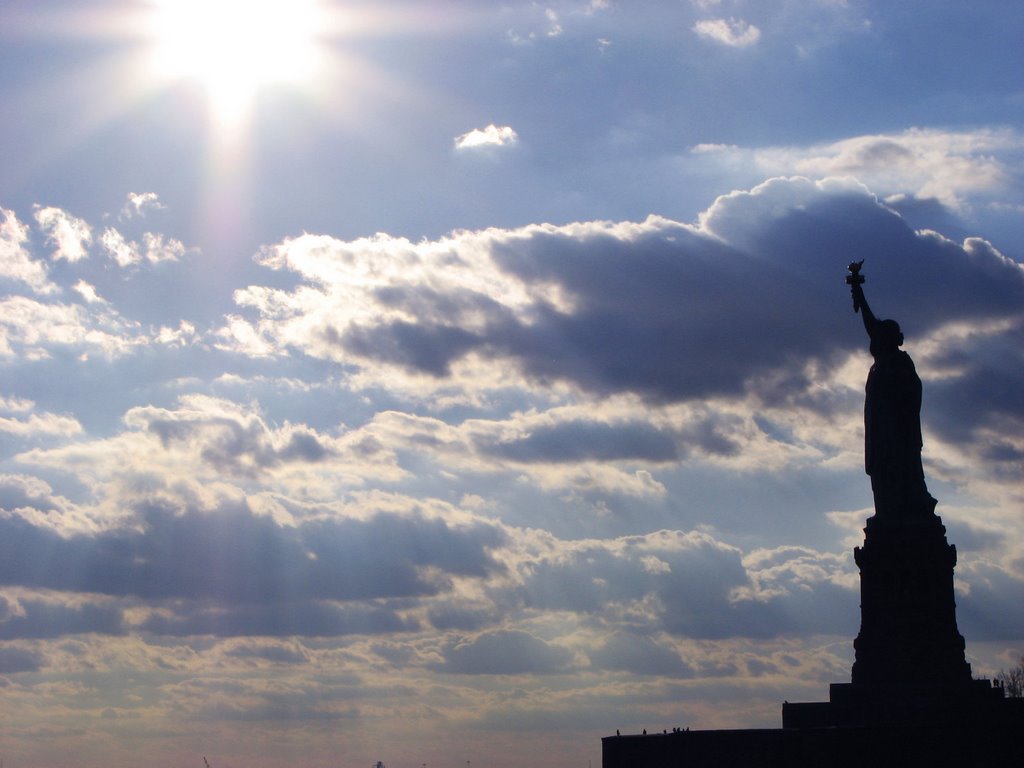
point(892, 437)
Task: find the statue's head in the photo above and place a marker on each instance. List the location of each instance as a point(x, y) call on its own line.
point(887, 338)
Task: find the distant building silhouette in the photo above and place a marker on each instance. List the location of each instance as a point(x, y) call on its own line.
point(912, 700)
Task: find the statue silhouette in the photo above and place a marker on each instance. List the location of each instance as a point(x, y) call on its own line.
point(892, 418)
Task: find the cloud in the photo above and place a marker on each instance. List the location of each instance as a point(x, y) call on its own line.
point(305, 618)
point(154, 248)
point(34, 501)
point(159, 248)
point(639, 655)
point(16, 263)
point(504, 652)
point(70, 235)
point(14, 659)
point(228, 571)
point(554, 28)
point(213, 437)
point(558, 305)
point(577, 441)
point(276, 653)
point(122, 251)
point(88, 292)
point(732, 32)
point(491, 136)
point(33, 330)
point(539, 22)
point(15, 405)
point(598, 577)
point(569, 386)
point(138, 204)
point(41, 424)
point(952, 167)
point(52, 618)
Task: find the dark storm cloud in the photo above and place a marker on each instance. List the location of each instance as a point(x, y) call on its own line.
point(504, 652)
point(232, 572)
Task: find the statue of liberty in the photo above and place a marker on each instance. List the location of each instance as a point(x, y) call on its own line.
point(892, 418)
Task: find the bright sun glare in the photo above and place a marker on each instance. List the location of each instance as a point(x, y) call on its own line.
point(235, 47)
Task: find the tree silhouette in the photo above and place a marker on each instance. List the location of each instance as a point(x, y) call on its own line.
point(1012, 681)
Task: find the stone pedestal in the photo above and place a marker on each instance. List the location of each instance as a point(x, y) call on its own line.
point(909, 666)
point(908, 633)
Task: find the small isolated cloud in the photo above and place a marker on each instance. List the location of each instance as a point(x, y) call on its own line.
point(707, 149)
point(554, 28)
point(70, 235)
point(491, 136)
point(540, 22)
point(732, 32)
point(136, 204)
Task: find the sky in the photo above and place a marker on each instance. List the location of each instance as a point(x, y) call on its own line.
point(449, 383)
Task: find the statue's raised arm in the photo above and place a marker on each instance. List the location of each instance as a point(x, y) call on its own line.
point(860, 304)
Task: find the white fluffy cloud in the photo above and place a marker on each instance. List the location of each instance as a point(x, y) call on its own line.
point(154, 248)
point(69, 235)
point(490, 136)
point(36, 330)
point(16, 263)
point(139, 203)
point(951, 166)
point(122, 251)
point(735, 33)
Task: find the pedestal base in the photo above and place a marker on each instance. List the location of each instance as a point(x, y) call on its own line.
point(908, 635)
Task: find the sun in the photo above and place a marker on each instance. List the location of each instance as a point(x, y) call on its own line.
point(234, 48)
